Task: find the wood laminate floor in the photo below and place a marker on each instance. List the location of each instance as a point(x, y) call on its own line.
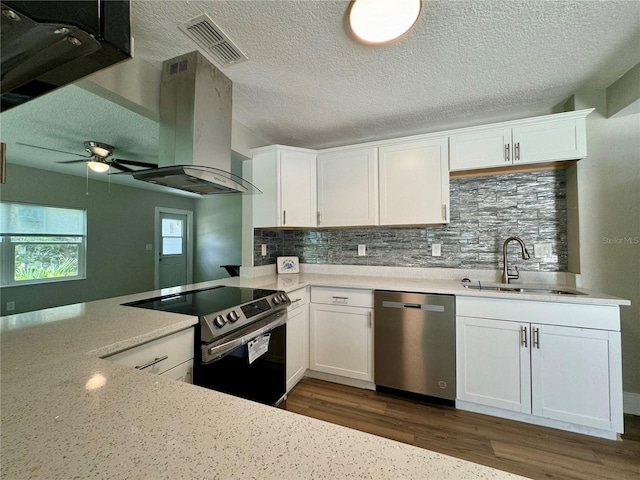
point(528, 450)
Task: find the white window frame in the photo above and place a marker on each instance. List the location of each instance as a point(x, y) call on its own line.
point(8, 252)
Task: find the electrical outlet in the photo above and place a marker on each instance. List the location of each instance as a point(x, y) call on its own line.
point(263, 248)
point(11, 306)
point(542, 250)
point(436, 250)
point(362, 250)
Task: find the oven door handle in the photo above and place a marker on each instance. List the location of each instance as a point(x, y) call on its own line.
point(213, 351)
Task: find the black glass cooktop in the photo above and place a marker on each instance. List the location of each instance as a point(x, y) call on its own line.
point(202, 302)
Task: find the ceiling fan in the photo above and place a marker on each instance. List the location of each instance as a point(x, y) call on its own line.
point(97, 160)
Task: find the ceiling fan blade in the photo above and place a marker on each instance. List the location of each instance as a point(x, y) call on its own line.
point(52, 150)
point(115, 164)
point(135, 163)
point(73, 161)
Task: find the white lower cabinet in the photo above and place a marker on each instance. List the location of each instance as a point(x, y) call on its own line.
point(297, 337)
point(493, 368)
point(170, 356)
point(562, 373)
point(570, 374)
point(341, 332)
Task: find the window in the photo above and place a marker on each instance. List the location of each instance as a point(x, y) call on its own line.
point(41, 244)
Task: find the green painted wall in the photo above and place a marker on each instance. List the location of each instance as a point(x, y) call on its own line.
point(120, 223)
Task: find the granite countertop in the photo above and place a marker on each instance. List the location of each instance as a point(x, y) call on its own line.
point(56, 424)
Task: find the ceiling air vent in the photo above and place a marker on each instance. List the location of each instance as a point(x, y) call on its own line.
point(212, 40)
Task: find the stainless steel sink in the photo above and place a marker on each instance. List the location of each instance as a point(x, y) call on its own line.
point(533, 289)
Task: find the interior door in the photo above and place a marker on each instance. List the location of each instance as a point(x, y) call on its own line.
point(172, 266)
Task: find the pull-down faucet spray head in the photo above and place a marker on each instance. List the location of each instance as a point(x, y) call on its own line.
point(506, 276)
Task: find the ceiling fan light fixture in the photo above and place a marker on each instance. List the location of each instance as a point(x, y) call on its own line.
point(378, 22)
point(98, 149)
point(99, 167)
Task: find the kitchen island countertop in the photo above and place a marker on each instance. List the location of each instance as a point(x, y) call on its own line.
point(57, 424)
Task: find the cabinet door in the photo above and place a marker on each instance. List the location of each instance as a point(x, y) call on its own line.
point(414, 182)
point(181, 373)
point(493, 363)
point(550, 141)
point(298, 199)
point(348, 188)
point(483, 148)
point(297, 345)
point(571, 379)
point(341, 341)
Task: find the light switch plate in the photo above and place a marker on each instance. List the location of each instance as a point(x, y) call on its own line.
point(362, 250)
point(436, 250)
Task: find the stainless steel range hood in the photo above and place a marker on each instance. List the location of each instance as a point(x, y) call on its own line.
point(195, 130)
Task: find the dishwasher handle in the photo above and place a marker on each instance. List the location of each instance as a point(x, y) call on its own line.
point(420, 306)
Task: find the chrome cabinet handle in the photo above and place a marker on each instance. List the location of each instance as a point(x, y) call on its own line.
point(152, 362)
point(517, 151)
point(444, 212)
point(536, 338)
point(296, 300)
point(523, 336)
point(284, 217)
point(318, 218)
point(507, 156)
point(341, 298)
point(369, 319)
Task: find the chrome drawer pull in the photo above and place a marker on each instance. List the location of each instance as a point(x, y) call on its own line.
point(341, 298)
point(152, 362)
point(296, 300)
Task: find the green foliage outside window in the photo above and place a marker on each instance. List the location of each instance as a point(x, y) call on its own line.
point(36, 258)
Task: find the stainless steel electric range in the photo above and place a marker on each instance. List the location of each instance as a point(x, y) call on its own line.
point(240, 339)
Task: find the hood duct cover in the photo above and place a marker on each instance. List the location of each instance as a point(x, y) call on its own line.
point(195, 130)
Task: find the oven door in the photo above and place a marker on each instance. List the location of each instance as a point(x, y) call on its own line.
point(250, 364)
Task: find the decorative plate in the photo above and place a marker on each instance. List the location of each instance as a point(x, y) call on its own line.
point(288, 265)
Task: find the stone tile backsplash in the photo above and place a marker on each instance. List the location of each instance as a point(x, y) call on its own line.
point(484, 211)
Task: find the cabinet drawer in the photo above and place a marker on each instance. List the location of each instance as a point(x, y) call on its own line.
point(342, 296)
point(298, 298)
point(177, 348)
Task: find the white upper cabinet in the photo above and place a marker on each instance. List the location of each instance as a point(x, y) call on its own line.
point(550, 138)
point(348, 187)
point(287, 178)
point(481, 148)
point(414, 182)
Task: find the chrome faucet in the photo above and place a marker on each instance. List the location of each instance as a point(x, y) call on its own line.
point(506, 276)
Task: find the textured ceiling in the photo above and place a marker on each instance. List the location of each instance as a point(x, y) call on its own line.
point(307, 84)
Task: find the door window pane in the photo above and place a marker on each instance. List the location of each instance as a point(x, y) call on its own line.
point(171, 246)
point(171, 227)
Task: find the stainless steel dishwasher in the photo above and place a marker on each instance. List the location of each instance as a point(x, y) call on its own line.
point(415, 343)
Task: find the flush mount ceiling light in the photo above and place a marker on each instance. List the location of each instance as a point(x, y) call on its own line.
point(382, 21)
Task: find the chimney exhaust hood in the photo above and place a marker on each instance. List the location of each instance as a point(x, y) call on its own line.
point(195, 130)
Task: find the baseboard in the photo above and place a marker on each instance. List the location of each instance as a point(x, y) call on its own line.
point(631, 403)
point(540, 421)
point(351, 382)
